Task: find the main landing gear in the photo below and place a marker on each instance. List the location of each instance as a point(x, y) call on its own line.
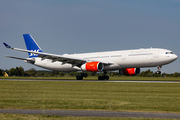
point(80, 77)
point(158, 71)
point(104, 77)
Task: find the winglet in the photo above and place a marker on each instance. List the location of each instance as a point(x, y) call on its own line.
point(6, 45)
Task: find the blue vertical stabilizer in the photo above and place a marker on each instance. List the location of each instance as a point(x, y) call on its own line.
point(31, 45)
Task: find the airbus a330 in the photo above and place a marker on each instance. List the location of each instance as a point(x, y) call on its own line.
point(128, 62)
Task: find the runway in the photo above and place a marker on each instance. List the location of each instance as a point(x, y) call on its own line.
point(135, 81)
point(84, 113)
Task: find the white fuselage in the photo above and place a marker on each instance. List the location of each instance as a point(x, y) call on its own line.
point(137, 58)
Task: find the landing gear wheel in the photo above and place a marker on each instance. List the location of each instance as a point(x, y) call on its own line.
point(99, 77)
point(79, 77)
point(107, 77)
point(158, 72)
point(84, 75)
point(103, 78)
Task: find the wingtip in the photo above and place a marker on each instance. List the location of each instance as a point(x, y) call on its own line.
point(6, 45)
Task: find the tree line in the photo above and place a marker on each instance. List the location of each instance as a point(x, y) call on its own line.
point(19, 71)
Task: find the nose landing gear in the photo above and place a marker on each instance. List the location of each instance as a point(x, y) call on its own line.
point(158, 71)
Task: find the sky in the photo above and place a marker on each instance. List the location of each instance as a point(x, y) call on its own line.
point(80, 26)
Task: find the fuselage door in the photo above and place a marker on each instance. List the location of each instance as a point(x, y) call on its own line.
point(123, 57)
point(156, 54)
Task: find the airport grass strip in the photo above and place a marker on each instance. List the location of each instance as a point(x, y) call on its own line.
point(142, 97)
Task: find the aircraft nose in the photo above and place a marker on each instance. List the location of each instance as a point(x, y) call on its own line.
point(171, 58)
point(176, 57)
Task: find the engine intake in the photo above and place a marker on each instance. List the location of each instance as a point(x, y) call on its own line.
point(93, 66)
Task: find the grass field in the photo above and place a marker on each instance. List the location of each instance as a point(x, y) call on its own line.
point(96, 78)
point(146, 97)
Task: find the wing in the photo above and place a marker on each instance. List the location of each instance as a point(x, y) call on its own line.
point(62, 58)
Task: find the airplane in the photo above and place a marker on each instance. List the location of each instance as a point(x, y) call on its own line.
point(127, 62)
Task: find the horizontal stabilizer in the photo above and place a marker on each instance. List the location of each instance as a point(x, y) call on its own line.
point(29, 60)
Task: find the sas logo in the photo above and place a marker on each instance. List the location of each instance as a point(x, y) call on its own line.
point(32, 54)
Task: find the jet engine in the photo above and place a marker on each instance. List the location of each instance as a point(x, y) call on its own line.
point(95, 66)
point(130, 71)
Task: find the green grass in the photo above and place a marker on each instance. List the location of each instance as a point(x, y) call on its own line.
point(47, 117)
point(143, 97)
point(96, 78)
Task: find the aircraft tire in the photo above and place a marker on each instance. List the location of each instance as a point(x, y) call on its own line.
point(84, 75)
point(158, 72)
point(103, 78)
point(79, 78)
point(100, 78)
point(107, 77)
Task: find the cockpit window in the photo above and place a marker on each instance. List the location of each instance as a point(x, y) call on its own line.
point(169, 52)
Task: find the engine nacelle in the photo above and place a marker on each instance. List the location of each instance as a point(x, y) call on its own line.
point(93, 66)
point(130, 71)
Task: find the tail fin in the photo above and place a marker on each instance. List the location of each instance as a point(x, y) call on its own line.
point(31, 45)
